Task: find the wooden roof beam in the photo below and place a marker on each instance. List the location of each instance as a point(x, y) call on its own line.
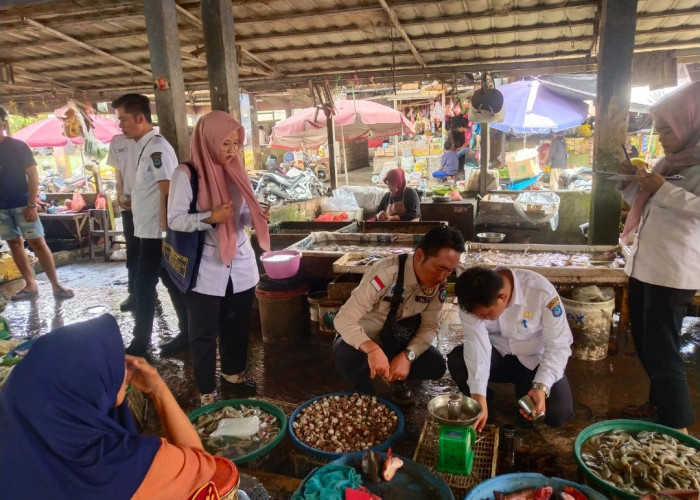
point(397, 24)
point(198, 22)
point(42, 78)
point(85, 46)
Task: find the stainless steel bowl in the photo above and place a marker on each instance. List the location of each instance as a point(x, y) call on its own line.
point(438, 408)
point(491, 237)
point(442, 199)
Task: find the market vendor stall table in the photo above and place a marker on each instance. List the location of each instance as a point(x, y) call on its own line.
point(74, 222)
point(562, 265)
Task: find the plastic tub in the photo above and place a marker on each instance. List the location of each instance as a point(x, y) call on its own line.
point(281, 264)
point(507, 483)
point(590, 324)
point(632, 426)
point(314, 299)
point(226, 478)
point(327, 310)
point(283, 314)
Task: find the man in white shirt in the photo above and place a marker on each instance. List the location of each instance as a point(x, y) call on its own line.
point(515, 331)
point(155, 163)
point(122, 156)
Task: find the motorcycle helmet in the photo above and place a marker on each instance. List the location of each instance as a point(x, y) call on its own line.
point(271, 162)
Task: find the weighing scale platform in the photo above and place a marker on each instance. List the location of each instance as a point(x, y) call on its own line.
point(485, 450)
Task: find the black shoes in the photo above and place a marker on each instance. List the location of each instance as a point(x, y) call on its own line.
point(178, 345)
point(128, 304)
point(139, 351)
point(400, 393)
point(243, 388)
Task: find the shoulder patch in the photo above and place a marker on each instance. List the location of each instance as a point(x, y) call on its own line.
point(443, 294)
point(377, 284)
point(550, 305)
point(557, 311)
point(157, 161)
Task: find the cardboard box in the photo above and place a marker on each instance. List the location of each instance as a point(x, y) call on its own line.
point(522, 164)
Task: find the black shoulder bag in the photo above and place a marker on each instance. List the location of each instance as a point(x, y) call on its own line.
point(395, 335)
point(182, 251)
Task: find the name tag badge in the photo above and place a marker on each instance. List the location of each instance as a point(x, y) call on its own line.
point(423, 299)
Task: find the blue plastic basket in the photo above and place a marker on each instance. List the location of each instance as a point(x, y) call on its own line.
point(521, 480)
point(332, 456)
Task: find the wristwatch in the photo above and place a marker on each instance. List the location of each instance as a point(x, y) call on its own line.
point(542, 387)
point(410, 355)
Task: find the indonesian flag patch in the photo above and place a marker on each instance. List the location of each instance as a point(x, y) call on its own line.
point(377, 284)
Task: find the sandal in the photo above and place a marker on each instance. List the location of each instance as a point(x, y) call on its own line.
point(25, 295)
point(643, 411)
point(64, 293)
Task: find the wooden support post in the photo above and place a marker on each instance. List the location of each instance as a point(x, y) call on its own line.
point(484, 157)
point(166, 66)
point(254, 133)
point(222, 60)
point(331, 149)
point(618, 19)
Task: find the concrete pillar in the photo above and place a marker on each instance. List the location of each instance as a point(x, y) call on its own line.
point(618, 20)
point(484, 153)
point(222, 62)
point(166, 66)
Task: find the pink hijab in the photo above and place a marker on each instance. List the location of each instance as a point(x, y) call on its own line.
point(681, 110)
point(214, 179)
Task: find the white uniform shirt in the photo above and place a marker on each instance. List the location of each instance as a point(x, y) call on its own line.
point(362, 317)
point(156, 161)
point(214, 275)
point(122, 156)
point(666, 251)
point(533, 327)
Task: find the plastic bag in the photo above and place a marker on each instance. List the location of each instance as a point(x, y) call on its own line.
point(592, 293)
point(367, 197)
point(78, 202)
point(100, 202)
point(539, 207)
point(237, 427)
point(340, 201)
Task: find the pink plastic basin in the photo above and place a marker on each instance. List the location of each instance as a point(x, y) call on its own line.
point(281, 264)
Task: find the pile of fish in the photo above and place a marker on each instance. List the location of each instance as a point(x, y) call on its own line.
point(342, 424)
point(542, 259)
point(234, 446)
point(648, 462)
point(329, 246)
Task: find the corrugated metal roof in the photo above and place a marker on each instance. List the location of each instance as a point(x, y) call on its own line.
point(100, 47)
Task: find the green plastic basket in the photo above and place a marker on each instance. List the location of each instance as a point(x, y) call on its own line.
point(633, 426)
point(263, 405)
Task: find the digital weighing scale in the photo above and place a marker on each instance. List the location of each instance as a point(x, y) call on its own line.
point(455, 413)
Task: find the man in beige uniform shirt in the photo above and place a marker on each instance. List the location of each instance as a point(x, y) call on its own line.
point(365, 349)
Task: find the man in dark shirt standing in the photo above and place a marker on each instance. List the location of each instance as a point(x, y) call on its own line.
point(19, 182)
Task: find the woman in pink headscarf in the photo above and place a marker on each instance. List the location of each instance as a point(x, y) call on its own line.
point(664, 266)
point(220, 303)
point(401, 202)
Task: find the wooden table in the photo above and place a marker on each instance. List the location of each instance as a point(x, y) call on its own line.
point(74, 222)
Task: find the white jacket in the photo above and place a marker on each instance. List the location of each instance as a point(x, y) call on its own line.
point(666, 251)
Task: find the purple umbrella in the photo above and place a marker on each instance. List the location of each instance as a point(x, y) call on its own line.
point(531, 108)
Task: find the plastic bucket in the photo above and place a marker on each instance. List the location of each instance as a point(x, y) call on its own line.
point(226, 478)
point(327, 309)
point(314, 299)
point(590, 324)
point(283, 314)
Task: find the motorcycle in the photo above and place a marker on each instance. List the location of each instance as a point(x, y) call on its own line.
point(297, 185)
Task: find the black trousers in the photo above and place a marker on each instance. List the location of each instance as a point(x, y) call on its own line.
point(353, 366)
point(227, 318)
point(133, 247)
point(148, 271)
point(656, 316)
point(508, 369)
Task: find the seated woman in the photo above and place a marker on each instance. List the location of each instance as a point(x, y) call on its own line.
point(67, 433)
point(401, 202)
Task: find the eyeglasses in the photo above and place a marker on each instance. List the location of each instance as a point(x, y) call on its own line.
point(231, 146)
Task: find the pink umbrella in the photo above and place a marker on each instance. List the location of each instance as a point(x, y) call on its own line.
point(49, 132)
point(353, 119)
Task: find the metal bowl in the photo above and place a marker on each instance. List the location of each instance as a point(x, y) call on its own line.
point(491, 237)
point(442, 198)
point(470, 411)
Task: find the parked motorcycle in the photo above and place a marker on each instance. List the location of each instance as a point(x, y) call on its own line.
point(298, 185)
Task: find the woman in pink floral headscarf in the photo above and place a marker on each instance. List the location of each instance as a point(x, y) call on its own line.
point(664, 267)
point(219, 305)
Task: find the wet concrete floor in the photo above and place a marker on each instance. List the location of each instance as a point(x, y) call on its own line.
point(298, 369)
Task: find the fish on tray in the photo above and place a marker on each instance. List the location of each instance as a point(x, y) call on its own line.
point(543, 493)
